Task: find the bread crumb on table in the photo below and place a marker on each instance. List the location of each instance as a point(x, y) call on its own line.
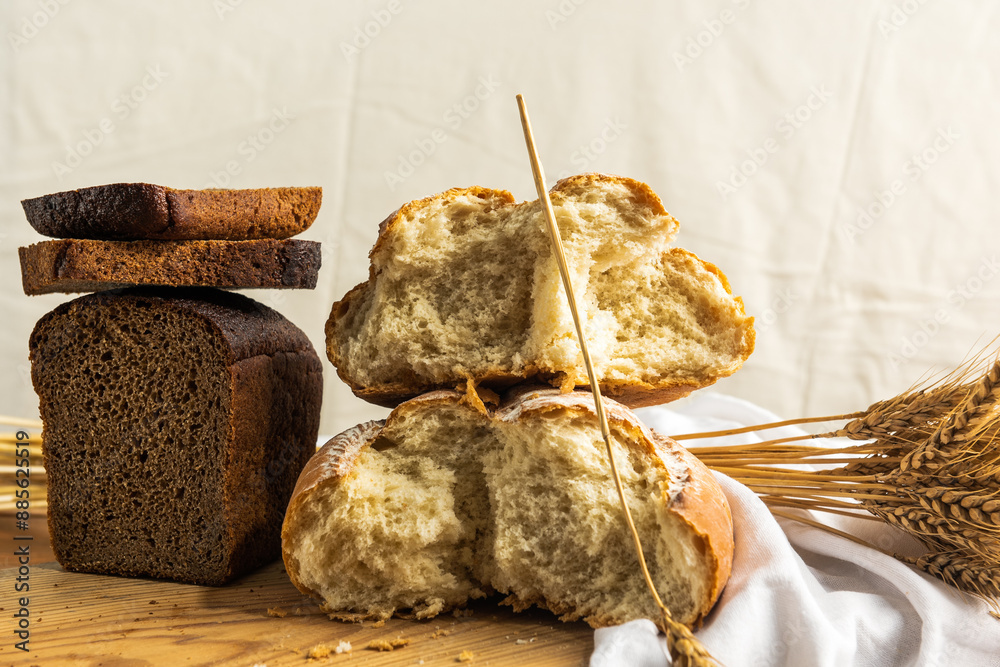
point(274, 612)
point(465, 656)
point(437, 634)
point(323, 651)
point(387, 644)
point(319, 652)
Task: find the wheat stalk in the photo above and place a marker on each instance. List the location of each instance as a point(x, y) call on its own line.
point(929, 464)
point(685, 649)
point(972, 575)
point(10, 443)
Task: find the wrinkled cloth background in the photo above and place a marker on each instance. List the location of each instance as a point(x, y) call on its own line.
point(839, 161)
point(865, 242)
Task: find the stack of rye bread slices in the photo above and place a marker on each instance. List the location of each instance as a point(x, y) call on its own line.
point(176, 416)
point(490, 475)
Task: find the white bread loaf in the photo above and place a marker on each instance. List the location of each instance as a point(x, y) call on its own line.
point(446, 501)
point(464, 285)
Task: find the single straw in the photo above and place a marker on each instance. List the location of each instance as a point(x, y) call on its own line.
point(675, 631)
point(18, 421)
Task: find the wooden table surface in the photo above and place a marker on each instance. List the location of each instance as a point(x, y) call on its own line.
point(259, 620)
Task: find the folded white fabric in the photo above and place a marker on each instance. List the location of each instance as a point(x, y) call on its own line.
point(801, 597)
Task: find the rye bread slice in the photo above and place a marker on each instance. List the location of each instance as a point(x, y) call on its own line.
point(175, 424)
point(136, 211)
point(81, 265)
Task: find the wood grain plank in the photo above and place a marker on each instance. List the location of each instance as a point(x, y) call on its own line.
point(41, 549)
point(87, 620)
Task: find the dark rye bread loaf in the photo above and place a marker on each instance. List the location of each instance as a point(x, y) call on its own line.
point(135, 211)
point(175, 424)
point(74, 265)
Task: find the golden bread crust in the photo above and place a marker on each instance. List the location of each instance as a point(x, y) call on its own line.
point(332, 462)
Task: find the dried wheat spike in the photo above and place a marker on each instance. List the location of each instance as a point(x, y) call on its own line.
point(931, 467)
point(896, 419)
point(980, 401)
point(972, 575)
point(958, 477)
point(685, 649)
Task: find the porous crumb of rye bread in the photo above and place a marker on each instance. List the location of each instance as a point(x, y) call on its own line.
point(74, 265)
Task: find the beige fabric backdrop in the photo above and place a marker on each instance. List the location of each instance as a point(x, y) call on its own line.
point(839, 161)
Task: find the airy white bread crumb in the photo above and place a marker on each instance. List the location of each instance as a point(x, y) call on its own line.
point(444, 503)
point(464, 284)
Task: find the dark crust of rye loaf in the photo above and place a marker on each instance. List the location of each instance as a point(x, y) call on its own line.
point(137, 211)
point(176, 422)
point(81, 265)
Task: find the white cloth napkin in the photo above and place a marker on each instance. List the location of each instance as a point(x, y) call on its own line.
point(801, 597)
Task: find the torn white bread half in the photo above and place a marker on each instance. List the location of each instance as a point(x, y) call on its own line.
point(464, 284)
point(447, 501)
